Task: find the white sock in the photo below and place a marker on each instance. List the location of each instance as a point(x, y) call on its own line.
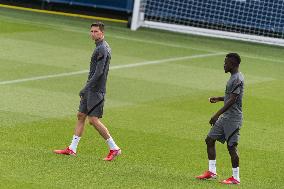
point(111, 144)
point(236, 173)
point(74, 143)
point(212, 166)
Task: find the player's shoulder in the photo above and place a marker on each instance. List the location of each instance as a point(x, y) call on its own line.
point(240, 77)
point(237, 76)
point(103, 46)
point(236, 79)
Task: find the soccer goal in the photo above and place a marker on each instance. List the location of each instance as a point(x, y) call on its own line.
point(249, 20)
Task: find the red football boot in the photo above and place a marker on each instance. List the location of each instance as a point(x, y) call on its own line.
point(112, 154)
point(230, 180)
point(207, 175)
point(66, 151)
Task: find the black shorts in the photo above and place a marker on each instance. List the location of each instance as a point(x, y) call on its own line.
point(92, 104)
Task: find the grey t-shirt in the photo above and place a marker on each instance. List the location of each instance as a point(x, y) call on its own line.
point(235, 85)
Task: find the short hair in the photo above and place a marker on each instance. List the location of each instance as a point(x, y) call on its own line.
point(99, 24)
point(235, 58)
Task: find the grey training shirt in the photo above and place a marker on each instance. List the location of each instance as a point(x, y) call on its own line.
point(99, 67)
point(235, 85)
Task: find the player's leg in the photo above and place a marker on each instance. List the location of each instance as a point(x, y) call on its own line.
point(233, 151)
point(103, 131)
point(95, 112)
point(211, 150)
point(79, 129)
point(211, 153)
point(99, 126)
point(216, 133)
point(80, 125)
point(232, 144)
point(235, 179)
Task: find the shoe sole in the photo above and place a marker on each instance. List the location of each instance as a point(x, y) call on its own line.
point(211, 178)
point(214, 178)
point(65, 154)
point(230, 183)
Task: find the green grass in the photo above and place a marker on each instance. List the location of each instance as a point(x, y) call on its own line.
point(158, 113)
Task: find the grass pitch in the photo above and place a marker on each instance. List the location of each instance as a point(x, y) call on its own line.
point(157, 107)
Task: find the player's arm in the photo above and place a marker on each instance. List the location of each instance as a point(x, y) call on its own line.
point(234, 93)
point(232, 99)
point(101, 63)
point(216, 99)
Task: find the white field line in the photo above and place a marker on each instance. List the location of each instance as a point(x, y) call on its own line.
point(111, 68)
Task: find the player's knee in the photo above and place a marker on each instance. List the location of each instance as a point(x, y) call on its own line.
point(232, 147)
point(209, 141)
point(233, 150)
point(94, 121)
point(81, 116)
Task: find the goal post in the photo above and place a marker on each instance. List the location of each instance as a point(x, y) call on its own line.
point(248, 20)
point(137, 15)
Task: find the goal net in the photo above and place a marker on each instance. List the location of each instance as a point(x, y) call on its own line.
point(250, 20)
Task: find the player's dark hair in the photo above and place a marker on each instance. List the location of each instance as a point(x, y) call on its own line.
point(99, 24)
point(235, 58)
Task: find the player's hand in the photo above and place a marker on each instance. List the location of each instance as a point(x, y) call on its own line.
point(82, 93)
point(213, 120)
point(213, 99)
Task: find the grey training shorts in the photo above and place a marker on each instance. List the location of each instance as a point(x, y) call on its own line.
point(92, 104)
point(226, 130)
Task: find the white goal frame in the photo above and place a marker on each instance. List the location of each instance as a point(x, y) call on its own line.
point(139, 21)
